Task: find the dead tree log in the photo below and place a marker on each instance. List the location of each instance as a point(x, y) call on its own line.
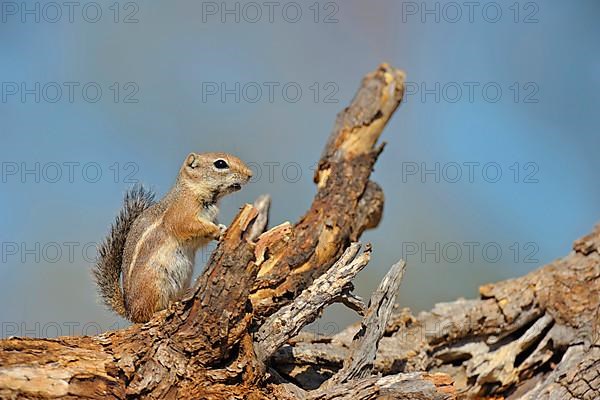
point(236, 335)
point(536, 337)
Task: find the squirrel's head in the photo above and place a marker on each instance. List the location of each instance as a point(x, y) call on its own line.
point(214, 175)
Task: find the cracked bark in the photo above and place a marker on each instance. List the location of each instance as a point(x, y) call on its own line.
point(536, 337)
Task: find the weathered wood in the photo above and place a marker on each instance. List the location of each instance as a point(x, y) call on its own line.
point(413, 386)
point(193, 348)
point(262, 205)
point(534, 337)
point(346, 203)
point(363, 349)
point(290, 319)
point(353, 380)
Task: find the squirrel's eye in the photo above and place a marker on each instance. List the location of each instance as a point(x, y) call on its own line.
point(221, 164)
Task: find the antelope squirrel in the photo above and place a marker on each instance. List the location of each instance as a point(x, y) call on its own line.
point(152, 245)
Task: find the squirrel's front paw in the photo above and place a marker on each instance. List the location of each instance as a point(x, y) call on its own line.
point(222, 230)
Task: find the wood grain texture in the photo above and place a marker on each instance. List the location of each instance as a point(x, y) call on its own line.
point(346, 202)
point(304, 309)
point(359, 363)
point(534, 337)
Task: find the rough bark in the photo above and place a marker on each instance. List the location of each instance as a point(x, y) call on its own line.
point(290, 319)
point(535, 337)
point(532, 336)
point(346, 203)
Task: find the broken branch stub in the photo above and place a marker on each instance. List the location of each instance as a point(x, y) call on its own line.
point(346, 202)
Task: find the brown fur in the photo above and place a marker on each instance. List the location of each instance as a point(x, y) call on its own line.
point(158, 255)
point(107, 271)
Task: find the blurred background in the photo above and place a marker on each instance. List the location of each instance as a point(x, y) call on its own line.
point(491, 167)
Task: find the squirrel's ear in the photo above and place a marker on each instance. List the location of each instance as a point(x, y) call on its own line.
point(192, 160)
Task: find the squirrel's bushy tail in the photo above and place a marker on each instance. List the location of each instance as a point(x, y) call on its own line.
point(107, 271)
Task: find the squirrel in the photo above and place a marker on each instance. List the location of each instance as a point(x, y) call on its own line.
point(151, 246)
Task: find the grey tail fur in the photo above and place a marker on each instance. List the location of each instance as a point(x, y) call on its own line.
point(107, 271)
